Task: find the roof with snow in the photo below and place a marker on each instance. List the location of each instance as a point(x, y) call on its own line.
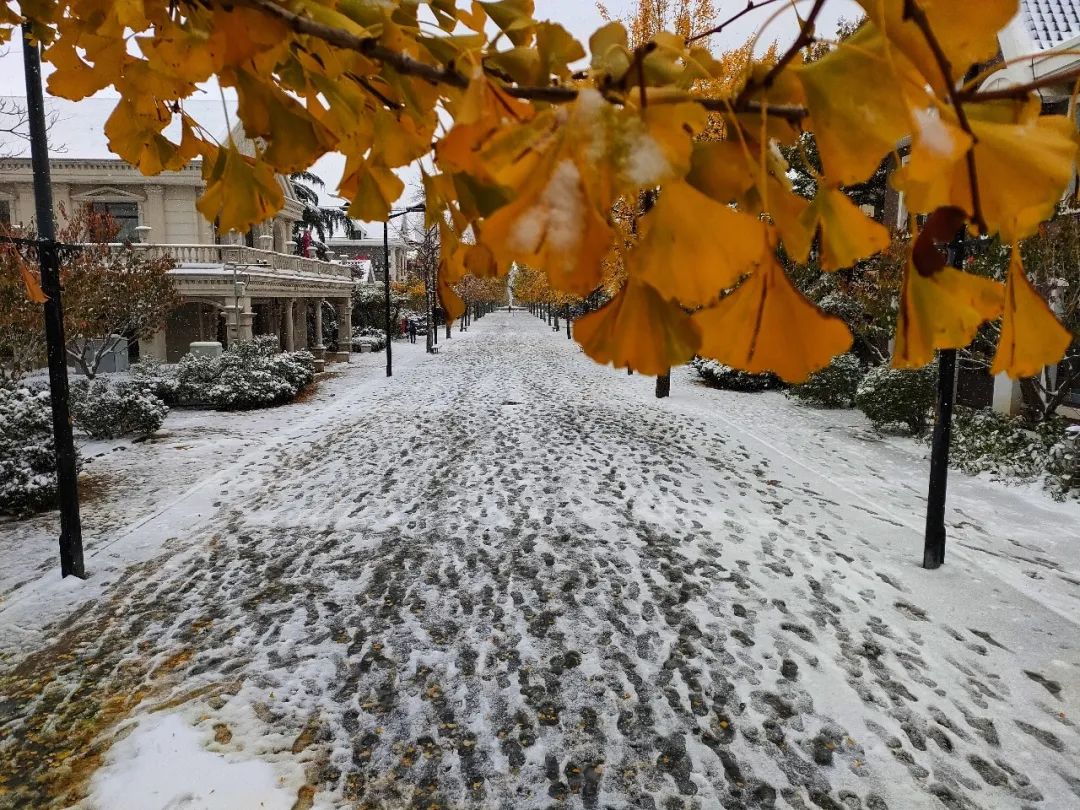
point(1051, 22)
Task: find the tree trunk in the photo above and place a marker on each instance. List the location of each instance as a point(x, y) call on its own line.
point(568, 325)
point(663, 385)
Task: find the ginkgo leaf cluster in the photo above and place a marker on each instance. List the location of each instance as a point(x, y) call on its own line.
point(537, 138)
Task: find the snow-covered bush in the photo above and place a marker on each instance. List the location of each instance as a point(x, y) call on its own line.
point(717, 375)
point(253, 374)
point(27, 457)
point(843, 306)
point(261, 345)
point(1006, 447)
point(156, 378)
point(1063, 465)
point(984, 441)
point(368, 338)
point(834, 386)
point(106, 410)
point(890, 396)
point(296, 368)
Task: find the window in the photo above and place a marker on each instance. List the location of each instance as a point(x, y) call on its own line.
point(5, 212)
point(124, 214)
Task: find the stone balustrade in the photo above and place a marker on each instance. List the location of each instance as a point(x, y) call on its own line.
point(246, 256)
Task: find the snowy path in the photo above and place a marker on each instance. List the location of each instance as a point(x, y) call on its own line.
point(509, 577)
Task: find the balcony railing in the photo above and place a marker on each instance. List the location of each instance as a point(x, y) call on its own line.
point(249, 256)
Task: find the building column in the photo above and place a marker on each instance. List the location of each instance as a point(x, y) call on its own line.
point(343, 306)
point(287, 315)
point(153, 347)
point(300, 324)
point(1007, 396)
point(238, 317)
point(318, 323)
point(154, 213)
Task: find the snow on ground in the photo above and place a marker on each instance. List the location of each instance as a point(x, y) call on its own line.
point(163, 763)
point(509, 576)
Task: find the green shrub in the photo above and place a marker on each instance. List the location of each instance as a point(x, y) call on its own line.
point(834, 386)
point(717, 375)
point(891, 397)
point(106, 410)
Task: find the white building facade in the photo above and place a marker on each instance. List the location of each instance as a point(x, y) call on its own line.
point(232, 286)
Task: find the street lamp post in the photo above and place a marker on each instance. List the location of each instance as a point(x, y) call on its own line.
point(67, 484)
point(386, 276)
point(934, 540)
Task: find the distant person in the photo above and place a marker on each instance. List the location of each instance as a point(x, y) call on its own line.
point(412, 331)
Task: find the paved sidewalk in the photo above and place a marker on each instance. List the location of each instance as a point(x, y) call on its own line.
point(510, 578)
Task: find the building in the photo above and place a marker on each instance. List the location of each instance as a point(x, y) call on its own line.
point(232, 286)
point(363, 252)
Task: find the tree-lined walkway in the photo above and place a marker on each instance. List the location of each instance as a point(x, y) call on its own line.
point(511, 577)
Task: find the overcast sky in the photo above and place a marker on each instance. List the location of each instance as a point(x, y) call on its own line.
point(79, 128)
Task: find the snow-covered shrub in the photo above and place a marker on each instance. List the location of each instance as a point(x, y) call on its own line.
point(890, 396)
point(843, 306)
point(833, 386)
point(368, 338)
point(106, 410)
point(156, 378)
point(296, 368)
point(1006, 447)
point(252, 374)
point(1063, 466)
point(262, 345)
point(717, 375)
point(985, 441)
point(195, 374)
point(27, 457)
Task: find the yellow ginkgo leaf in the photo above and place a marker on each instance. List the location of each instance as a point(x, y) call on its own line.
point(370, 189)
point(785, 210)
point(294, 136)
point(966, 36)
point(847, 234)
point(240, 192)
point(33, 287)
point(694, 266)
point(941, 311)
point(554, 225)
point(134, 133)
point(638, 329)
point(1031, 337)
point(858, 97)
point(514, 18)
point(73, 78)
point(450, 300)
point(721, 170)
point(1024, 162)
point(767, 325)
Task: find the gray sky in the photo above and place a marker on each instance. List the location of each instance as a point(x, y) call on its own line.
point(79, 126)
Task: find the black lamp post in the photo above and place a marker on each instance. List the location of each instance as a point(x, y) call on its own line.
point(67, 484)
point(412, 209)
point(934, 541)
